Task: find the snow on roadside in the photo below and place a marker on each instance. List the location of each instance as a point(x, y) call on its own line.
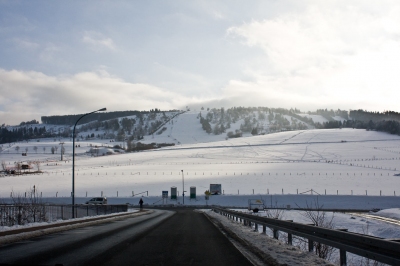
point(60, 221)
point(389, 213)
point(282, 253)
point(35, 233)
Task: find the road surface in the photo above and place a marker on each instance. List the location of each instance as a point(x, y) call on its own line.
point(181, 237)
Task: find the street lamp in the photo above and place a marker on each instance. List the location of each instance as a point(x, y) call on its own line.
point(183, 188)
point(73, 159)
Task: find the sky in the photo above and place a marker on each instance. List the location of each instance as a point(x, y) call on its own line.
point(74, 57)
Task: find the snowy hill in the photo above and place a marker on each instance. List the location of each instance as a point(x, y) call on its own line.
point(176, 127)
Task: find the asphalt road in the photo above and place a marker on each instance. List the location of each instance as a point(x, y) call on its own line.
point(181, 237)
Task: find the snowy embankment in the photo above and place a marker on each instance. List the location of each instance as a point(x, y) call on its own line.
point(272, 250)
point(284, 253)
point(39, 229)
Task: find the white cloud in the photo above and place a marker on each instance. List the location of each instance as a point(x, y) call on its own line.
point(98, 40)
point(30, 95)
point(328, 55)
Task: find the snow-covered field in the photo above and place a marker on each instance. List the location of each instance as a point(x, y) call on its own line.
point(331, 162)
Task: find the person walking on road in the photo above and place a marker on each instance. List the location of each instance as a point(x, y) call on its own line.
point(141, 204)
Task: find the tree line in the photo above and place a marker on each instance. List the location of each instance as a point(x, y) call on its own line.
point(218, 121)
point(71, 119)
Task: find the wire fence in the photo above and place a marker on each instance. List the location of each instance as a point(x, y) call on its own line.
point(31, 213)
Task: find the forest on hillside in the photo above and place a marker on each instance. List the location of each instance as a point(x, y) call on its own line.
point(133, 125)
point(218, 121)
point(71, 119)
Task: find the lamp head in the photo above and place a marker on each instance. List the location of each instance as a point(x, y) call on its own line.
point(102, 109)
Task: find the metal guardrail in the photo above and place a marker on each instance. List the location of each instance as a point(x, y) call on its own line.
point(374, 248)
point(23, 214)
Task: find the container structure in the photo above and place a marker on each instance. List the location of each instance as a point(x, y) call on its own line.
point(173, 193)
point(192, 192)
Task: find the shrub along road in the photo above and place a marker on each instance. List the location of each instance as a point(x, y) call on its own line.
point(180, 237)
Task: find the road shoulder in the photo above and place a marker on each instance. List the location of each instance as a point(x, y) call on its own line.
point(261, 249)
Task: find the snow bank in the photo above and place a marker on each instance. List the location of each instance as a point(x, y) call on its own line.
point(278, 252)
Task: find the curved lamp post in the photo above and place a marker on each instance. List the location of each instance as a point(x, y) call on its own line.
point(73, 159)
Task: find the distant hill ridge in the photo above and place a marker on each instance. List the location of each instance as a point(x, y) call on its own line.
point(232, 122)
point(71, 119)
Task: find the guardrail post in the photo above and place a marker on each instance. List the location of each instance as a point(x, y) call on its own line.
point(342, 252)
point(256, 227)
point(310, 245)
point(290, 239)
point(310, 242)
point(276, 233)
point(343, 257)
point(264, 229)
point(290, 236)
point(19, 215)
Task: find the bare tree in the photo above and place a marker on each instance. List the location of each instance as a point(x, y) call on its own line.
point(275, 213)
point(319, 218)
point(52, 150)
point(367, 261)
point(38, 165)
point(18, 165)
point(30, 209)
point(3, 165)
point(44, 149)
point(35, 148)
point(26, 149)
point(17, 148)
point(55, 148)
